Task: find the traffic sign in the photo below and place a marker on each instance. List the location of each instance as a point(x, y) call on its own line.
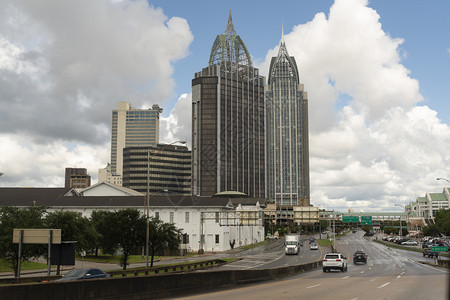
point(366, 220)
point(350, 219)
point(441, 249)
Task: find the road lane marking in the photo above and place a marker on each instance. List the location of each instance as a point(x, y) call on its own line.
point(383, 285)
point(362, 272)
point(345, 277)
point(308, 287)
point(399, 276)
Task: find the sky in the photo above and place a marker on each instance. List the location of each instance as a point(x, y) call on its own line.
point(376, 74)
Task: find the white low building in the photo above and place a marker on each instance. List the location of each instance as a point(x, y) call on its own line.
point(208, 223)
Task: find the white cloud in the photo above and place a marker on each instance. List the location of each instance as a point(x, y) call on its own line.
point(81, 59)
point(177, 126)
point(379, 148)
point(64, 66)
point(26, 164)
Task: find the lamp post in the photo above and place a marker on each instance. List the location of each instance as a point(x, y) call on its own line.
point(400, 230)
point(440, 178)
point(147, 198)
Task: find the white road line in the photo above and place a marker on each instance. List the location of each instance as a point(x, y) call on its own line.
point(399, 276)
point(362, 272)
point(354, 299)
point(383, 285)
point(345, 277)
point(308, 287)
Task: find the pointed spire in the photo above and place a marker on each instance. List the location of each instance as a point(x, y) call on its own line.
point(230, 26)
point(282, 32)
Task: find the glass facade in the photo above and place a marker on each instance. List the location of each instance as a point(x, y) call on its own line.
point(287, 133)
point(132, 128)
point(228, 121)
point(167, 168)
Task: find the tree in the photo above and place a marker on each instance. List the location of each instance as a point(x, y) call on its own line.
point(103, 221)
point(431, 230)
point(11, 218)
point(130, 232)
point(124, 229)
point(162, 236)
point(74, 227)
point(442, 220)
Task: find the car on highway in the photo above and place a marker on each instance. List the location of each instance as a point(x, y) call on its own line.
point(79, 274)
point(313, 246)
point(360, 257)
point(272, 237)
point(410, 243)
point(334, 261)
point(429, 253)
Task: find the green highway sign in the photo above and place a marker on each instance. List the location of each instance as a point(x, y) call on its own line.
point(350, 219)
point(442, 249)
point(366, 220)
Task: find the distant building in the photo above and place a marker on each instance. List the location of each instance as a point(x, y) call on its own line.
point(426, 207)
point(168, 167)
point(105, 175)
point(132, 127)
point(77, 178)
point(228, 139)
point(287, 133)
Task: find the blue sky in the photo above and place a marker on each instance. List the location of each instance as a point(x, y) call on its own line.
point(423, 26)
point(376, 74)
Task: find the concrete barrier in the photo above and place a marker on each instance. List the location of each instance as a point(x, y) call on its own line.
point(148, 287)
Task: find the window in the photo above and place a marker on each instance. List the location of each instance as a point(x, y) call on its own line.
point(217, 238)
point(157, 214)
point(171, 216)
point(217, 217)
point(186, 217)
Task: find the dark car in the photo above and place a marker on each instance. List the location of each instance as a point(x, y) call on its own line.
point(79, 274)
point(429, 253)
point(360, 257)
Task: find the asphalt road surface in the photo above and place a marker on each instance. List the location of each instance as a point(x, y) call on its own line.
point(388, 274)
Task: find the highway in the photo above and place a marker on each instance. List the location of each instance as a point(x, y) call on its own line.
point(388, 274)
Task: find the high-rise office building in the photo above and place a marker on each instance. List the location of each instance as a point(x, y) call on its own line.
point(132, 127)
point(77, 178)
point(228, 121)
point(287, 133)
point(167, 168)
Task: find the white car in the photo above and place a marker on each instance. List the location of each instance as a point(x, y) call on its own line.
point(410, 242)
point(334, 261)
point(313, 246)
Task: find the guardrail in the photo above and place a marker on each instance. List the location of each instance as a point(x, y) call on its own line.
point(169, 269)
point(202, 265)
point(148, 287)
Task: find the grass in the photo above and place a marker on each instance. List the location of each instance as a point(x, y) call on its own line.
point(24, 266)
point(115, 259)
point(393, 245)
point(254, 245)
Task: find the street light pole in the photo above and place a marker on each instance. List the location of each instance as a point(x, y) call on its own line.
point(400, 230)
point(440, 178)
point(147, 198)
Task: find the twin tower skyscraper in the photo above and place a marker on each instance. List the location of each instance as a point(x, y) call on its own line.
point(248, 136)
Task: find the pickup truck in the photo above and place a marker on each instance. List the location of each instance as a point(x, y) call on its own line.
point(429, 253)
point(334, 261)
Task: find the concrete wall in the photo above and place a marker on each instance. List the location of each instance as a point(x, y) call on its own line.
point(147, 287)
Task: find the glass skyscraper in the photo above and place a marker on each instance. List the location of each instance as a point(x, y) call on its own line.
point(287, 133)
point(228, 136)
point(132, 127)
